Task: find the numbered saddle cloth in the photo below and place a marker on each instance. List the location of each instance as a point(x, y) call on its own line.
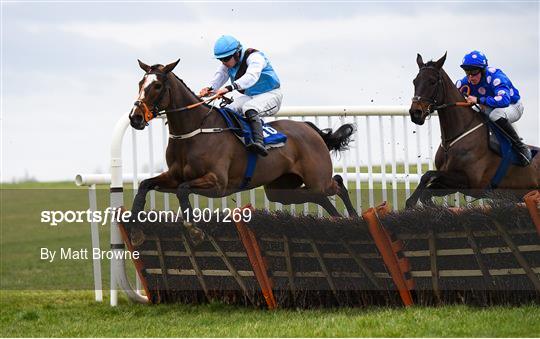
point(240, 126)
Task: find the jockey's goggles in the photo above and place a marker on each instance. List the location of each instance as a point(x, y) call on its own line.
point(225, 59)
point(472, 72)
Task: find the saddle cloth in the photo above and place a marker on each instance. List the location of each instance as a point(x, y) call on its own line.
point(499, 141)
point(241, 128)
point(502, 146)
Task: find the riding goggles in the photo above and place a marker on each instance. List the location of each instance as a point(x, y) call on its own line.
point(472, 72)
point(225, 59)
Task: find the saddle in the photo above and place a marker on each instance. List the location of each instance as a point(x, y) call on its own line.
point(239, 125)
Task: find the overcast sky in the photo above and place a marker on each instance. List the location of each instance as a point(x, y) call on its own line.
point(70, 69)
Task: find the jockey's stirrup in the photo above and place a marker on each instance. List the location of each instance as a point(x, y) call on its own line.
point(257, 144)
point(523, 151)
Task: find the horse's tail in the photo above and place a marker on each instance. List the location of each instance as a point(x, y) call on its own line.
point(335, 141)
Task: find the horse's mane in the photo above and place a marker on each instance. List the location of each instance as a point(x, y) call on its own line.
point(159, 68)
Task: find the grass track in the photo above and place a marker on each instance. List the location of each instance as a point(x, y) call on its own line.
point(73, 314)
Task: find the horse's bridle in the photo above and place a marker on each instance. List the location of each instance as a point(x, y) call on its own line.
point(154, 112)
point(446, 143)
point(432, 102)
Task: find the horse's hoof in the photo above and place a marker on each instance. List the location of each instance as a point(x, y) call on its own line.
point(137, 236)
point(339, 179)
point(195, 233)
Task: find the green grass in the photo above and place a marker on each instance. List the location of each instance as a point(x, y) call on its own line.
point(73, 314)
point(65, 306)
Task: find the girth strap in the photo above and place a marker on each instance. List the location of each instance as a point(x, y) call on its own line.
point(197, 131)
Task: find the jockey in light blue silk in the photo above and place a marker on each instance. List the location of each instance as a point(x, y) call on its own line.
point(490, 87)
point(250, 73)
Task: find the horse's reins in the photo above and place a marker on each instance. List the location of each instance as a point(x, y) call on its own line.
point(432, 107)
point(150, 114)
point(188, 107)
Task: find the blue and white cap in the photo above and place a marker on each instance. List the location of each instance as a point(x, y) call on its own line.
point(474, 60)
point(225, 46)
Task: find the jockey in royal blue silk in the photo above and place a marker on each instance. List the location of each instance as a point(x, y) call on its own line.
point(251, 74)
point(490, 87)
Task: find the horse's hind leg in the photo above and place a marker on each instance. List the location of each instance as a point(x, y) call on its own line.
point(343, 193)
point(300, 196)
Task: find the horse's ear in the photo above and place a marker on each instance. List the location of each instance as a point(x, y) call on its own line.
point(170, 67)
point(439, 63)
point(419, 60)
point(144, 66)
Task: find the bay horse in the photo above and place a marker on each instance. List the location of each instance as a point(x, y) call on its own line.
point(463, 160)
point(213, 164)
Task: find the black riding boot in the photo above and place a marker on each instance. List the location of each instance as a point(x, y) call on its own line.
point(257, 144)
point(519, 146)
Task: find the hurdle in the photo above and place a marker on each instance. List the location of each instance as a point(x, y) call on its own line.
point(482, 256)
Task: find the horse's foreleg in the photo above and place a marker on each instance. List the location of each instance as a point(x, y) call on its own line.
point(325, 203)
point(182, 193)
point(163, 180)
point(208, 182)
point(419, 191)
point(442, 184)
point(437, 183)
point(343, 193)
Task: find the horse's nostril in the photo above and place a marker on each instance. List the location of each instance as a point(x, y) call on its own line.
point(415, 112)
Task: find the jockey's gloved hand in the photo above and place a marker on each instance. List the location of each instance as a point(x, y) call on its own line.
point(205, 92)
point(472, 99)
point(224, 90)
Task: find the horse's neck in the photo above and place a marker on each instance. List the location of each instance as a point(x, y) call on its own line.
point(187, 121)
point(455, 120)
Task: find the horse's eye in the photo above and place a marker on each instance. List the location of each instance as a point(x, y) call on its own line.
point(158, 86)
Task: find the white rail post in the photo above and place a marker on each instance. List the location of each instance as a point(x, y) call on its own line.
point(370, 163)
point(383, 160)
point(165, 137)
point(94, 229)
point(151, 165)
point(406, 162)
point(357, 169)
point(319, 208)
point(118, 270)
point(135, 185)
point(394, 169)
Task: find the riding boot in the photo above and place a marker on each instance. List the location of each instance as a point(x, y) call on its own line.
point(257, 144)
point(519, 146)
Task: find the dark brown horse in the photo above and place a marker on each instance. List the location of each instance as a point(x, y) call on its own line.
point(213, 163)
point(464, 161)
